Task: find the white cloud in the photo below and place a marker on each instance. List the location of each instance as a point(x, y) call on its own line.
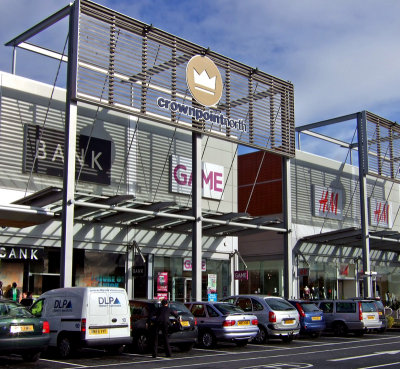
point(342, 56)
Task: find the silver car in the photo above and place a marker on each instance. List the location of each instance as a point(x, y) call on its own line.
point(221, 321)
point(349, 316)
point(277, 318)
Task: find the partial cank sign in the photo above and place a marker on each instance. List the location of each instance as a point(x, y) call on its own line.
point(181, 178)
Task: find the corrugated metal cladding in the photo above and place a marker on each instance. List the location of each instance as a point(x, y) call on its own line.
point(140, 149)
point(266, 196)
point(383, 147)
point(127, 65)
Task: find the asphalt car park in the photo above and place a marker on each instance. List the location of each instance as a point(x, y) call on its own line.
point(373, 350)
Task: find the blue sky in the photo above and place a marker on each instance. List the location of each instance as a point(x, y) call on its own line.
point(342, 56)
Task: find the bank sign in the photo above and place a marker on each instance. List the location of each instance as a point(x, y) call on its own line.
point(181, 178)
point(93, 155)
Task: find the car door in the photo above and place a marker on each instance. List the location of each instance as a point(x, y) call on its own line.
point(327, 308)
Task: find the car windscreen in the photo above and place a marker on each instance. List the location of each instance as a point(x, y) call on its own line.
point(278, 304)
point(12, 310)
point(179, 307)
point(226, 308)
point(309, 307)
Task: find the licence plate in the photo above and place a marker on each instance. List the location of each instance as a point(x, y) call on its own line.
point(21, 328)
point(371, 317)
point(98, 331)
point(185, 323)
point(289, 321)
point(244, 322)
point(315, 318)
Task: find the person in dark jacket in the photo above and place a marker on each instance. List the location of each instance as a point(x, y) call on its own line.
point(161, 325)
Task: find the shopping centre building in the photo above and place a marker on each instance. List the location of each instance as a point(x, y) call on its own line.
point(128, 177)
point(344, 214)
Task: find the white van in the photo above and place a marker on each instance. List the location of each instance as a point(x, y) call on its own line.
point(86, 317)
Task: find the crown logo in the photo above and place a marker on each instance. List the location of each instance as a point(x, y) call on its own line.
point(203, 82)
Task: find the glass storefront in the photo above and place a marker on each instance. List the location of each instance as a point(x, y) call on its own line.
point(38, 269)
point(318, 281)
point(265, 278)
point(173, 280)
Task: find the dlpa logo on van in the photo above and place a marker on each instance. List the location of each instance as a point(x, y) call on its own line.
point(104, 301)
point(64, 305)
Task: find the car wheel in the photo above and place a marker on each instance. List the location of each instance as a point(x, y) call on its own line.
point(339, 329)
point(142, 343)
point(31, 356)
point(207, 339)
point(64, 347)
point(184, 347)
point(262, 336)
point(241, 343)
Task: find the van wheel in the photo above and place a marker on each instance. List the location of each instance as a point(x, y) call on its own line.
point(262, 336)
point(64, 347)
point(31, 356)
point(207, 339)
point(339, 329)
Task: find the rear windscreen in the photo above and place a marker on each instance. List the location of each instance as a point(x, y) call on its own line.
point(279, 304)
point(368, 307)
point(226, 308)
point(309, 307)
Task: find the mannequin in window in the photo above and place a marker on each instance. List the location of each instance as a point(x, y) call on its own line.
point(306, 292)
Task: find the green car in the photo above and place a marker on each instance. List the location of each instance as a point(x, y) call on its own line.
point(21, 332)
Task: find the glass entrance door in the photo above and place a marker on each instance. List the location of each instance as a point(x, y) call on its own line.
point(181, 289)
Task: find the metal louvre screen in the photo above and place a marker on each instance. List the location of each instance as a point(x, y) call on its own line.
point(383, 147)
point(127, 65)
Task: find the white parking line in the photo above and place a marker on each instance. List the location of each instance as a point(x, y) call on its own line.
point(380, 366)
point(62, 362)
point(266, 356)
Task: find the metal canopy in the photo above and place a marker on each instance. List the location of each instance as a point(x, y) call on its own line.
point(125, 210)
point(352, 237)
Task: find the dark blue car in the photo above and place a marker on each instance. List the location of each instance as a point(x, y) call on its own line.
point(312, 319)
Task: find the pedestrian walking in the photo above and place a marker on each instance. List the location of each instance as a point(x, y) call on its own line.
point(161, 325)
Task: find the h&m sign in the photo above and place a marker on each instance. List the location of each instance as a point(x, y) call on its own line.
point(328, 202)
point(380, 213)
point(93, 154)
point(181, 177)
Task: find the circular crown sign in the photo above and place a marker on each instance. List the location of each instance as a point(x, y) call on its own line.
point(204, 80)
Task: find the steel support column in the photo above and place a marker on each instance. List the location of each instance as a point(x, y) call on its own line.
point(71, 115)
point(197, 223)
point(287, 215)
point(363, 170)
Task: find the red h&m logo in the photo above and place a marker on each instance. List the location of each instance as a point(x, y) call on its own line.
point(328, 202)
point(381, 213)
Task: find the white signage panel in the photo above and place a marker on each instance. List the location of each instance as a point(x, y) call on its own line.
point(181, 177)
point(328, 202)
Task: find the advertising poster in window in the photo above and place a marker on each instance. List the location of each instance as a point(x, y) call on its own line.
point(162, 282)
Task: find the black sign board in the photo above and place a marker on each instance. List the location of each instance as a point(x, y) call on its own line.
point(21, 253)
point(139, 271)
point(93, 154)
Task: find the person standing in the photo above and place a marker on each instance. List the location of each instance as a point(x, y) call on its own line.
point(14, 293)
point(161, 325)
